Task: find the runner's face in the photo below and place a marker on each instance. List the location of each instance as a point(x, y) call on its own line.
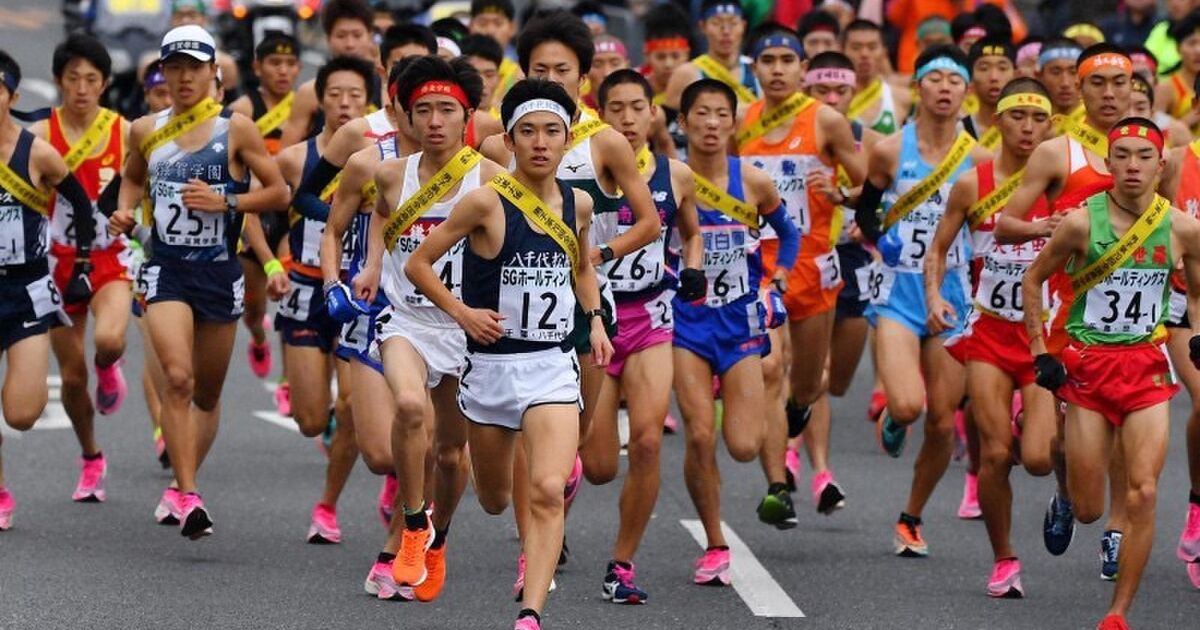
point(278, 73)
point(627, 110)
point(709, 123)
point(942, 92)
point(1135, 164)
point(189, 79)
point(835, 95)
point(554, 61)
point(819, 42)
point(1059, 78)
point(349, 37)
point(1027, 68)
point(538, 142)
point(1022, 129)
point(603, 65)
point(989, 76)
point(864, 48)
point(7, 100)
point(158, 98)
point(1105, 94)
point(663, 62)
point(490, 74)
point(81, 85)
point(1189, 52)
point(494, 25)
point(345, 98)
point(1139, 105)
point(439, 122)
point(724, 34)
point(778, 69)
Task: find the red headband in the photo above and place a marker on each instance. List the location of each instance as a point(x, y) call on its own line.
point(443, 88)
point(666, 43)
point(1136, 131)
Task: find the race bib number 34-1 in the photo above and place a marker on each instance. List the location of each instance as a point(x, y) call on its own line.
point(1129, 301)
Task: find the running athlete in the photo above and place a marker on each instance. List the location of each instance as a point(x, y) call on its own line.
point(818, 32)
point(154, 89)
point(994, 346)
point(1067, 170)
point(878, 103)
point(486, 56)
point(31, 303)
point(527, 255)
point(667, 46)
point(610, 56)
point(193, 162)
point(194, 12)
point(723, 24)
point(912, 173)
point(643, 283)
point(992, 67)
point(277, 65)
point(1175, 94)
point(1028, 50)
point(793, 138)
point(498, 19)
point(421, 347)
point(1119, 252)
point(1141, 105)
point(725, 336)
point(1057, 70)
point(91, 140)
point(309, 333)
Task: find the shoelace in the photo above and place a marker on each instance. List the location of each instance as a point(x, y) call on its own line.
point(1061, 519)
point(1111, 549)
point(414, 552)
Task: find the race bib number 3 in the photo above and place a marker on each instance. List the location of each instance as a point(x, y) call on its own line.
point(830, 270)
point(536, 303)
point(725, 263)
point(1129, 301)
point(182, 226)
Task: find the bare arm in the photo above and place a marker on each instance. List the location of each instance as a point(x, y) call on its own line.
point(133, 181)
point(346, 202)
point(687, 218)
point(840, 144)
point(1189, 237)
point(1041, 175)
point(962, 195)
point(272, 196)
point(389, 178)
point(1068, 240)
point(682, 77)
point(622, 165)
point(300, 121)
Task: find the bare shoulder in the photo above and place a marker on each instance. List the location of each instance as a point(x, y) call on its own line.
point(242, 105)
point(488, 169)
point(41, 129)
point(680, 171)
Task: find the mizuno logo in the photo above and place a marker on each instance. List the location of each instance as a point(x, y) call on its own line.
point(574, 168)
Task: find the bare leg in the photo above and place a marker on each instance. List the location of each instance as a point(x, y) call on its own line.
point(1143, 438)
point(548, 432)
point(946, 383)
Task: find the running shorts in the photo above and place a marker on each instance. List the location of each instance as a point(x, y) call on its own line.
point(724, 335)
point(642, 322)
point(855, 262)
point(1177, 316)
point(30, 305)
point(999, 342)
point(443, 349)
point(1116, 381)
point(215, 291)
point(302, 318)
point(108, 265)
point(359, 335)
point(901, 297)
point(497, 389)
point(813, 285)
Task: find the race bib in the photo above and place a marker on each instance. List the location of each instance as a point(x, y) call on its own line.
point(296, 305)
point(862, 276)
point(640, 270)
point(725, 265)
point(12, 235)
point(999, 290)
point(182, 226)
point(44, 296)
point(356, 333)
point(310, 251)
point(660, 312)
point(448, 268)
point(1178, 306)
point(1128, 301)
point(537, 302)
point(883, 278)
point(830, 269)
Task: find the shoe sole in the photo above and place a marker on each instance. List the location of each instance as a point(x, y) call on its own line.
point(1012, 593)
point(716, 580)
point(970, 515)
point(905, 550)
point(1109, 578)
point(612, 597)
point(373, 590)
point(92, 497)
point(197, 525)
point(831, 501)
point(319, 539)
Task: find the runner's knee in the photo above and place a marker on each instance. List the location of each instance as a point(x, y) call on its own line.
point(546, 493)
point(1141, 497)
point(601, 470)
point(22, 415)
point(410, 410)
point(644, 449)
point(179, 381)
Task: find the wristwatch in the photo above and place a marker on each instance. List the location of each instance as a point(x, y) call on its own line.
point(598, 312)
point(606, 253)
point(231, 202)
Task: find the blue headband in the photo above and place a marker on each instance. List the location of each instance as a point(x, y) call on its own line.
point(597, 18)
point(778, 41)
point(9, 81)
point(723, 9)
point(1059, 53)
point(945, 64)
point(186, 47)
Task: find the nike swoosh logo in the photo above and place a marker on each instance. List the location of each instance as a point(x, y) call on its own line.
point(30, 324)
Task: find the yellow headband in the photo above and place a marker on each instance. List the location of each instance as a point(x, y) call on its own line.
point(1084, 30)
point(1024, 99)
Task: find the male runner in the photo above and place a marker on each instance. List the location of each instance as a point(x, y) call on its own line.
point(194, 12)
point(723, 24)
point(31, 303)
point(792, 137)
point(1057, 70)
point(154, 89)
point(878, 103)
point(818, 32)
point(725, 336)
point(527, 236)
point(1118, 253)
point(194, 162)
point(994, 347)
point(486, 55)
point(610, 56)
point(667, 46)
point(992, 67)
point(1175, 95)
point(912, 172)
point(498, 19)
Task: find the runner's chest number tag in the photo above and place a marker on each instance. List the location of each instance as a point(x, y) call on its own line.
point(182, 226)
point(641, 269)
point(44, 296)
point(355, 333)
point(297, 304)
point(1128, 301)
point(916, 232)
point(536, 302)
point(999, 289)
point(659, 310)
point(725, 264)
point(12, 235)
point(448, 268)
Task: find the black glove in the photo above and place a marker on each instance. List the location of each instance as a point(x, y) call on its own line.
point(1050, 372)
point(692, 285)
point(79, 287)
point(1194, 350)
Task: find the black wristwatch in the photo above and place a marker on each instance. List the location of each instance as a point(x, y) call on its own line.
point(594, 313)
point(606, 253)
point(231, 202)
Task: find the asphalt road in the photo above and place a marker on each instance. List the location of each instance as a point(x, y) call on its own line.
point(108, 565)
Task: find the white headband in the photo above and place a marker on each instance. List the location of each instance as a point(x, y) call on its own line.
point(450, 45)
point(538, 105)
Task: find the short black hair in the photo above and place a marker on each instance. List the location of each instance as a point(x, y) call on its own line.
point(962, 23)
point(859, 25)
point(994, 21)
point(10, 67)
point(621, 77)
point(345, 63)
point(504, 7)
point(529, 89)
point(1141, 84)
point(830, 59)
point(1100, 49)
point(433, 68)
point(557, 26)
point(399, 35)
point(398, 69)
point(818, 20)
point(277, 44)
point(482, 46)
point(988, 47)
point(81, 46)
point(451, 28)
point(942, 50)
point(705, 86)
point(335, 10)
point(667, 20)
point(1186, 26)
point(1023, 85)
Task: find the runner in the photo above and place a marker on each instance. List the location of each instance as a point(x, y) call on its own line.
point(877, 103)
point(1141, 105)
point(914, 184)
point(818, 32)
point(517, 313)
point(32, 304)
point(486, 56)
point(1175, 94)
point(1067, 170)
point(154, 89)
point(774, 137)
point(992, 67)
point(183, 13)
point(610, 56)
point(1113, 374)
point(192, 315)
point(723, 24)
point(497, 19)
point(91, 140)
point(725, 336)
point(994, 346)
point(643, 284)
point(667, 46)
point(1057, 70)
point(1028, 50)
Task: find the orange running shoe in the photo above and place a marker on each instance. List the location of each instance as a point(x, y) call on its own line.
point(1113, 622)
point(435, 579)
point(409, 566)
point(909, 542)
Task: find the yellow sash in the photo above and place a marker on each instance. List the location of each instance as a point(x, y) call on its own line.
point(585, 129)
point(865, 99)
point(87, 143)
point(1063, 122)
point(1084, 279)
point(919, 193)
point(715, 70)
point(991, 138)
point(644, 160)
point(180, 124)
point(276, 116)
point(417, 205)
point(710, 196)
point(535, 210)
point(23, 191)
point(1089, 137)
point(794, 105)
point(982, 210)
point(1195, 147)
point(971, 103)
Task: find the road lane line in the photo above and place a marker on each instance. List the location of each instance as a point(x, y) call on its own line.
point(278, 420)
point(753, 583)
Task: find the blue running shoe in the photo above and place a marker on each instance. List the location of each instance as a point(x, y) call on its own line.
point(327, 434)
point(618, 584)
point(1058, 527)
point(1110, 550)
point(892, 436)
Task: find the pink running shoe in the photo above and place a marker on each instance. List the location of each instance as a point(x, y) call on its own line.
point(519, 585)
point(670, 424)
point(90, 488)
point(1193, 569)
point(324, 529)
point(168, 511)
point(196, 523)
point(960, 435)
point(110, 388)
point(876, 406)
point(827, 495)
point(283, 399)
point(260, 357)
point(1189, 540)
point(527, 623)
point(387, 498)
point(969, 509)
point(1005, 581)
point(380, 584)
point(713, 568)
point(160, 449)
point(7, 506)
point(574, 481)
point(791, 466)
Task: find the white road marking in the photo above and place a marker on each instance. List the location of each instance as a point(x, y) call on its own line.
point(53, 416)
point(762, 594)
point(278, 420)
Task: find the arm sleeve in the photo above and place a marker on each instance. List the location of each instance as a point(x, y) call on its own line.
point(789, 237)
point(865, 214)
point(107, 203)
point(85, 223)
point(307, 200)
